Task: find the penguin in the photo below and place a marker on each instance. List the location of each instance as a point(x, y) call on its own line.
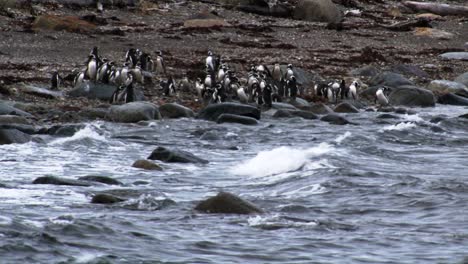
point(334, 88)
point(277, 73)
point(289, 72)
point(344, 91)
point(117, 95)
point(199, 88)
point(114, 76)
point(55, 81)
point(380, 96)
point(123, 74)
point(99, 7)
point(256, 95)
point(208, 81)
point(91, 69)
point(242, 95)
point(160, 67)
point(185, 84)
point(95, 52)
point(129, 78)
point(267, 96)
point(132, 56)
point(168, 87)
point(252, 80)
point(353, 90)
point(138, 75)
point(102, 70)
point(146, 63)
point(129, 95)
point(79, 78)
point(291, 85)
point(227, 81)
point(210, 63)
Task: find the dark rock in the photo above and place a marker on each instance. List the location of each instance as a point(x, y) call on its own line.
point(283, 106)
point(133, 112)
point(465, 116)
point(227, 203)
point(404, 111)
point(65, 23)
point(101, 179)
point(387, 116)
point(335, 119)
point(452, 99)
point(320, 109)
point(261, 7)
point(390, 79)
point(412, 96)
point(317, 11)
point(346, 107)
point(455, 56)
point(366, 71)
point(283, 113)
point(166, 155)
point(230, 118)
point(101, 91)
point(300, 103)
point(103, 198)
point(463, 79)
point(210, 135)
point(12, 136)
point(386, 109)
point(174, 110)
point(13, 119)
point(94, 113)
point(213, 111)
point(66, 130)
point(28, 129)
point(60, 181)
point(146, 165)
point(437, 119)
point(6, 109)
point(409, 70)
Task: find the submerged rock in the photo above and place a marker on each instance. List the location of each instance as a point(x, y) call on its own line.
point(60, 181)
point(317, 11)
point(335, 119)
point(230, 118)
point(346, 107)
point(66, 130)
point(146, 165)
point(174, 110)
point(283, 113)
point(321, 109)
point(452, 99)
point(101, 179)
point(412, 96)
point(133, 112)
point(12, 136)
point(227, 203)
point(104, 198)
point(213, 111)
point(174, 156)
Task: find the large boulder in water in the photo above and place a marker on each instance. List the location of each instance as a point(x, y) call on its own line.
point(321, 109)
point(104, 198)
point(284, 113)
point(100, 179)
point(346, 107)
point(335, 119)
point(452, 99)
point(101, 91)
point(60, 181)
point(11, 136)
point(389, 79)
point(444, 86)
point(317, 11)
point(174, 110)
point(230, 118)
point(213, 111)
point(412, 96)
point(146, 165)
point(227, 203)
point(463, 78)
point(175, 156)
point(133, 112)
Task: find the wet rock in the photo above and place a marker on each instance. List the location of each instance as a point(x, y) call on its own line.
point(6, 109)
point(366, 71)
point(210, 135)
point(38, 91)
point(94, 113)
point(13, 136)
point(100, 179)
point(133, 112)
point(463, 78)
point(389, 79)
point(261, 7)
point(230, 118)
point(62, 23)
point(317, 11)
point(433, 33)
point(300, 103)
point(175, 156)
point(13, 119)
point(452, 99)
point(403, 111)
point(283, 113)
point(227, 203)
point(335, 119)
point(320, 109)
point(174, 110)
point(455, 56)
point(346, 107)
point(146, 165)
point(213, 111)
point(104, 198)
point(412, 96)
point(409, 70)
point(387, 116)
point(101, 91)
point(465, 116)
point(283, 106)
point(444, 86)
point(66, 130)
point(60, 181)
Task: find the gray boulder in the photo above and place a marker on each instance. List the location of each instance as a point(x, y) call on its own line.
point(320, 109)
point(12, 136)
point(317, 11)
point(455, 56)
point(100, 179)
point(175, 156)
point(174, 110)
point(227, 203)
point(409, 70)
point(41, 92)
point(133, 112)
point(346, 107)
point(213, 111)
point(283, 113)
point(444, 86)
point(452, 99)
point(100, 91)
point(335, 119)
point(389, 79)
point(104, 198)
point(60, 181)
point(286, 106)
point(230, 118)
point(463, 78)
point(146, 165)
point(7, 109)
point(412, 96)
point(366, 71)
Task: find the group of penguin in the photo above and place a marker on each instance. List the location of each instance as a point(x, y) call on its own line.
point(262, 85)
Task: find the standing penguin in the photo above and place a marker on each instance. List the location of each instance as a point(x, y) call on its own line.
point(334, 89)
point(199, 88)
point(266, 95)
point(160, 66)
point(291, 85)
point(289, 72)
point(79, 78)
point(55, 81)
point(210, 62)
point(380, 96)
point(343, 90)
point(91, 70)
point(277, 73)
point(242, 95)
point(353, 90)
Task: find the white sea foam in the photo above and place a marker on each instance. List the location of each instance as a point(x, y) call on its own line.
point(88, 132)
point(279, 160)
point(413, 118)
point(86, 257)
point(399, 127)
point(340, 139)
point(304, 191)
point(277, 221)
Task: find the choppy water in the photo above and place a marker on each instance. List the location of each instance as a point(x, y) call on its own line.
point(383, 191)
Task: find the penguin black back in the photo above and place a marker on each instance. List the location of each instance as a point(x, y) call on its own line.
point(55, 81)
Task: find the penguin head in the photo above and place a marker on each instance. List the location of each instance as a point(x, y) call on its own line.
point(290, 66)
point(210, 53)
point(159, 53)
